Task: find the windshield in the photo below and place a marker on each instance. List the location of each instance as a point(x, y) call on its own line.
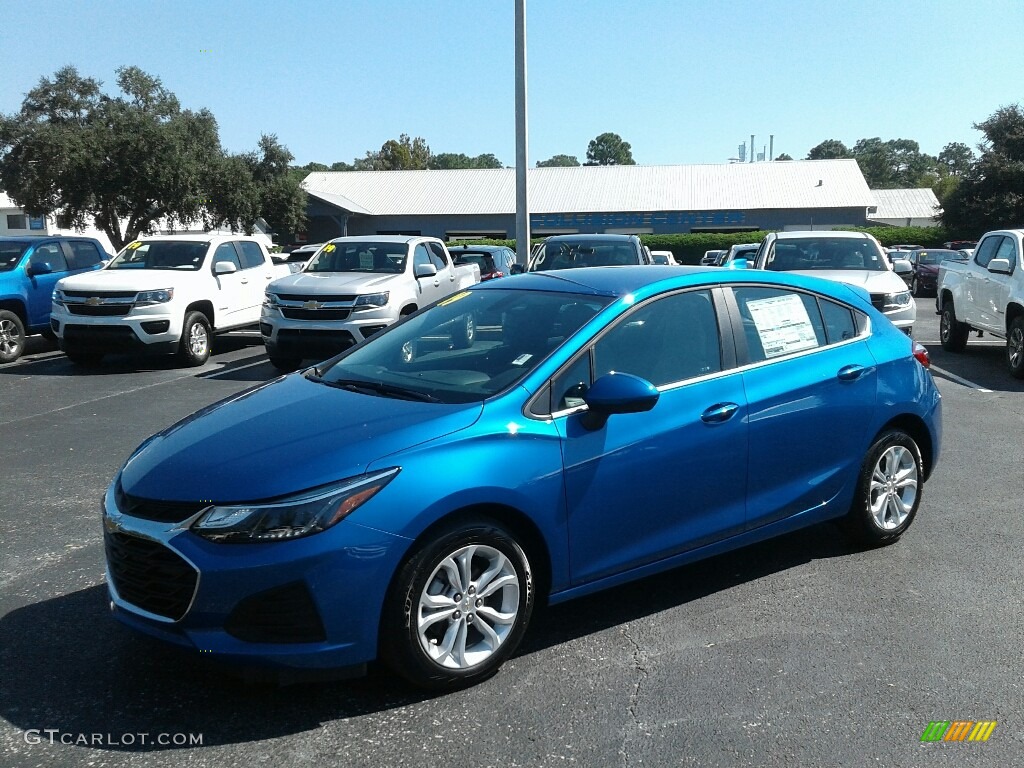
point(10, 255)
point(161, 254)
point(568, 254)
point(466, 348)
point(812, 253)
point(936, 257)
point(383, 258)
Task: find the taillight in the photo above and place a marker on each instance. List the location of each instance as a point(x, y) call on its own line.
point(921, 354)
point(499, 273)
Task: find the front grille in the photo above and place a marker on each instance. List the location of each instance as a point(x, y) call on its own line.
point(149, 575)
point(102, 310)
point(101, 294)
point(158, 510)
point(294, 313)
point(112, 332)
point(313, 297)
point(285, 614)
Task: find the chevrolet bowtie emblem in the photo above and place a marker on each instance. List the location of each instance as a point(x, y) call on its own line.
point(93, 301)
point(312, 305)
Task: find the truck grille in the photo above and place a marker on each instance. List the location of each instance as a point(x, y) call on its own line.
point(102, 310)
point(149, 575)
point(101, 294)
point(298, 313)
point(313, 297)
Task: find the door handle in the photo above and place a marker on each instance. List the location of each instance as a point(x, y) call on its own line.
point(245, 281)
point(716, 414)
point(852, 372)
point(437, 283)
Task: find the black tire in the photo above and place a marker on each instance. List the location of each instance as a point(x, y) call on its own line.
point(12, 337)
point(915, 288)
point(465, 332)
point(952, 333)
point(401, 646)
point(892, 470)
point(1015, 348)
point(49, 335)
point(283, 363)
point(86, 359)
point(196, 340)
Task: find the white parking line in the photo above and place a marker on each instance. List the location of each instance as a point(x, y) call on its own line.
point(960, 380)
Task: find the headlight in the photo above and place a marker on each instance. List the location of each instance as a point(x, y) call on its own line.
point(291, 518)
point(269, 299)
point(899, 300)
point(58, 296)
point(148, 298)
point(368, 300)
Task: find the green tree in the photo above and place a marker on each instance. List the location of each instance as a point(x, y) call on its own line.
point(559, 161)
point(448, 160)
point(609, 149)
point(783, 156)
point(988, 195)
point(955, 159)
point(403, 154)
point(830, 149)
point(894, 164)
point(129, 161)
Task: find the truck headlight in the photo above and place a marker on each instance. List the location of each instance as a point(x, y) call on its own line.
point(899, 300)
point(301, 515)
point(368, 300)
point(58, 297)
point(148, 298)
point(270, 299)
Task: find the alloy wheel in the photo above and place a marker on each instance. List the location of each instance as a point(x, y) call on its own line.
point(198, 340)
point(1015, 346)
point(894, 487)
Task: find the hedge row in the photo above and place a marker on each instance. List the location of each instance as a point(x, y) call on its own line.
point(690, 248)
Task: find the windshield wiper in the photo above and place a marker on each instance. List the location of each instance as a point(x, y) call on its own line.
point(390, 390)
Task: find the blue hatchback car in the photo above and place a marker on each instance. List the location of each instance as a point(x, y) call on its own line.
point(619, 421)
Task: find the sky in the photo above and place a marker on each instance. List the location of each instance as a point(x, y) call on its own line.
point(683, 81)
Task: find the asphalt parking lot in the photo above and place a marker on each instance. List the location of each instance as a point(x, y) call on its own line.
point(798, 651)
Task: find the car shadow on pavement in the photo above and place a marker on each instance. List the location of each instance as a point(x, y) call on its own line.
point(68, 666)
point(983, 364)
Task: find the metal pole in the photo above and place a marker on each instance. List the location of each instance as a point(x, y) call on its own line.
point(753, 151)
point(522, 206)
point(771, 146)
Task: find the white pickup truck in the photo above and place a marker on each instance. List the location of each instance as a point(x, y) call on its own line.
point(353, 288)
point(163, 295)
point(985, 293)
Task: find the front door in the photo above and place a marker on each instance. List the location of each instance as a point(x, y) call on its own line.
point(233, 289)
point(40, 287)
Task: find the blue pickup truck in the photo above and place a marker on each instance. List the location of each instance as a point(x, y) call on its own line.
point(29, 268)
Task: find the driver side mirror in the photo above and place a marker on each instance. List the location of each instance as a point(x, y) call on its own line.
point(39, 268)
point(224, 268)
point(902, 266)
point(425, 270)
point(517, 269)
point(999, 266)
point(617, 393)
point(739, 264)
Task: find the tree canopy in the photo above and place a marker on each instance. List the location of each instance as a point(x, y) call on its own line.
point(609, 149)
point(559, 161)
point(989, 194)
point(135, 159)
point(830, 149)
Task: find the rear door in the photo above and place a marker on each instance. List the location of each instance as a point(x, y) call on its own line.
point(810, 384)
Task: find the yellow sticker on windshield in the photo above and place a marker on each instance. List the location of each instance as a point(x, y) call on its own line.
point(329, 248)
point(133, 246)
point(453, 299)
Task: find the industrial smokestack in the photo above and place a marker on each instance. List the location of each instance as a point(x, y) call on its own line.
point(752, 150)
point(771, 146)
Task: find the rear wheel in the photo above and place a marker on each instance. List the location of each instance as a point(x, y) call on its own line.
point(915, 288)
point(195, 340)
point(12, 337)
point(1015, 348)
point(952, 333)
point(458, 608)
point(888, 490)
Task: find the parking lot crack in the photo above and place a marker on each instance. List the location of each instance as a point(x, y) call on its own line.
point(640, 667)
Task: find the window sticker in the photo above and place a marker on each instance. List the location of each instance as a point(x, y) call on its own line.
point(134, 245)
point(783, 325)
point(522, 359)
point(330, 248)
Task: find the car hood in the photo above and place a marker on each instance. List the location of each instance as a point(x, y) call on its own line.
point(870, 280)
point(327, 283)
point(928, 269)
point(282, 437)
point(126, 280)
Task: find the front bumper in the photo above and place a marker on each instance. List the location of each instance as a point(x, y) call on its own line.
point(312, 603)
point(320, 339)
point(147, 330)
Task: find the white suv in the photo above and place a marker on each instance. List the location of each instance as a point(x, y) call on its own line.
point(165, 294)
point(855, 258)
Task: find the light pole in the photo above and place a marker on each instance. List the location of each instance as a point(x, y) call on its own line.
point(522, 203)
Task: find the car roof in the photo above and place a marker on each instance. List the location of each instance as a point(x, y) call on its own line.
point(477, 248)
point(37, 238)
point(193, 238)
point(611, 238)
point(380, 238)
point(822, 235)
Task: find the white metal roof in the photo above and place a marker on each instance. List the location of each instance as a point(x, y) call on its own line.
point(900, 204)
point(596, 189)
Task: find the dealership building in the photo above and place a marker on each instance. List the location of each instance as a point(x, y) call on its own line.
point(636, 199)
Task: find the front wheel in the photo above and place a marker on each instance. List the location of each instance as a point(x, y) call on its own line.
point(1015, 348)
point(888, 490)
point(952, 333)
point(12, 337)
point(283, 363)
point(458, 608)
point(195, 340)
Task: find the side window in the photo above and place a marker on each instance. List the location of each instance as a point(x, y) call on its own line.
point(226, 252)
point(82, 254)
point(839, 321)
point(571, 384)
point(1007, 250)
point(49, 253)
point(252, 254)
point(987, 250)
point(420, 256)
point(778, 322)
point(667, 340)
point(437, 256)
